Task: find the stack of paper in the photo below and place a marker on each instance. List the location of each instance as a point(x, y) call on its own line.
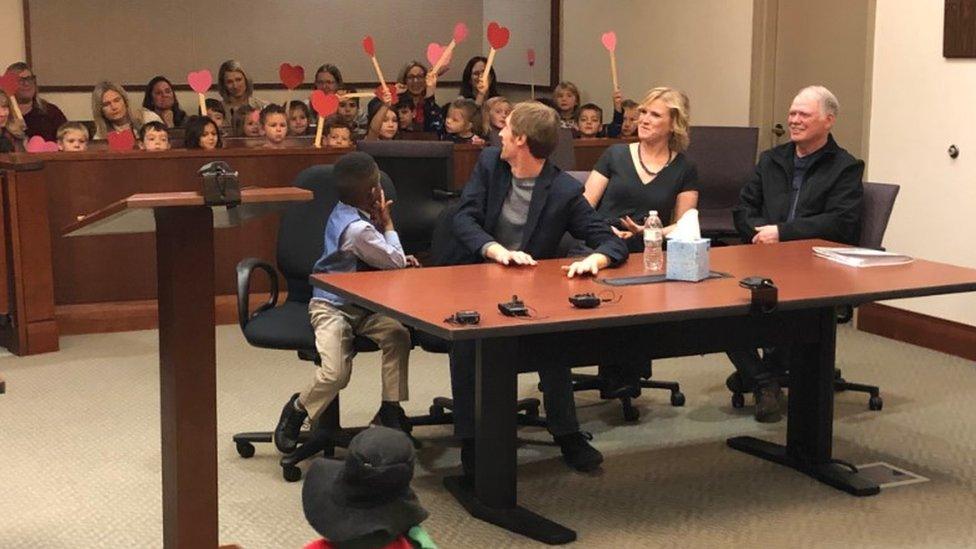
point(861, 257)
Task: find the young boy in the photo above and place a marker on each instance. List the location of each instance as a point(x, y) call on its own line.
point(459, 124)
point(589, 121)
point(358, 235)
point(216, 112)
point(153, 137)
point(625, 115)
point(73, 136)
point(338, 134)
point(274, 122)
point(349, 112)
point(405, 113)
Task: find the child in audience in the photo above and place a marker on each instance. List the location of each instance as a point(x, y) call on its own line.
point(298, 116)
point(358, 235)
point(73, 136)
point(498, 109)
point(405, 113)
point(338, 133)
point(153, 137)
point(12, 130)
point(459, 124)
point(383, 120)
point(274, 122)
point(215, 110)
point(349, 111)
point(625, 115)
point(202, 133)
point(589, 122)
point(247, 122)
point(566, 96)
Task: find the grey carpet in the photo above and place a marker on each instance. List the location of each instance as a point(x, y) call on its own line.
point(79, 455)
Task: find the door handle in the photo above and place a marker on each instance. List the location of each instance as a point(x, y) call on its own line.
point(778, 130)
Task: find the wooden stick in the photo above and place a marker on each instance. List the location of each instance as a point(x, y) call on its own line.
point(318, 132)
point(203, 104)
point(287, 102)
point(379, 73)
point(532, 81)
point(487, 74)
point(15, 108)
point(355, 95)
point(444, 55)
point(613, 71)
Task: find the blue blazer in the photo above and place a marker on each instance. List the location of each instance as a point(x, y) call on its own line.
point(557, 206)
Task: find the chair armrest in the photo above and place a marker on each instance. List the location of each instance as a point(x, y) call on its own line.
point(244, 270)
point(443, 194)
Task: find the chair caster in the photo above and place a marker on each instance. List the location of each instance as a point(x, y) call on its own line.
point(291, 473)
point(875, 403)
point(677, 398)
point(738, 400)
point(630, 413)
point(245, 449)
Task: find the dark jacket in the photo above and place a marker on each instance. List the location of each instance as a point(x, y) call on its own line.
point(830, 201)
point(557, 206)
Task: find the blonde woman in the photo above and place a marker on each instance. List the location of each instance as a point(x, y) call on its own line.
point(11, 128)
point(235, 88)
point(112, 111)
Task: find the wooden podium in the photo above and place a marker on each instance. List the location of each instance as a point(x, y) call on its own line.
point(187, 352)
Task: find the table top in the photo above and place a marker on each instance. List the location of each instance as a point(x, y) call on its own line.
point(423, 298)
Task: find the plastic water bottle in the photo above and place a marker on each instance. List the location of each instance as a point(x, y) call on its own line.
point(653, 242)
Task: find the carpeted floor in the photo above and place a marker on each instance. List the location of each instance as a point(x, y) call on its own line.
point(79, 455)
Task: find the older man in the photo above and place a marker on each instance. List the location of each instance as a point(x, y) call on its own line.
point(807, 188)
point(515, 210)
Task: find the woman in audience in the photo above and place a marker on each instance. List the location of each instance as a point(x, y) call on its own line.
point(12, 134)
point(420, 85)
point(566, 96)
point(112, 111)
point(236, 89)
point(202, 133)
point(328, 78)
point(42, 118)
point(161, 99)
point(471, 87)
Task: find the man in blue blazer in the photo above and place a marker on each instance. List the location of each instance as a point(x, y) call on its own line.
point(514, 210)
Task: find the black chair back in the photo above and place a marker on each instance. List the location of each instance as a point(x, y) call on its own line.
point(564, 155)
point(726, 159)
point(419, 169)
point(879, 201)
point(302, 229)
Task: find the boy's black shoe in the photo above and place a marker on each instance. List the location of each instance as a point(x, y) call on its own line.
point(769, 403)
point(577, 451)
point(289, 425)
point(391, 415)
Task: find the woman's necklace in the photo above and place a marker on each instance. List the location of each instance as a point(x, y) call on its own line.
point(640, 159)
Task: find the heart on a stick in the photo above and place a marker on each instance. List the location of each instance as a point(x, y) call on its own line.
point(325, 104)
point(530, 55)
point(123, 140)
point(434, 53)
point(393, 93)
point(8, 82)
point(497, 35)
point(291, 76)
point(37, 144)
point(369, 47)
point(460, 33)
point(609, 40)
point(200, 81)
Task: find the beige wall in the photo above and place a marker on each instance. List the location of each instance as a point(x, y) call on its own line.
point(11, 32)
point(703, 47)
point(922, 103)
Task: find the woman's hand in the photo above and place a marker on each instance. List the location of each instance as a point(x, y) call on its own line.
point(431, 81)
point(400, 88)
point(631, 226)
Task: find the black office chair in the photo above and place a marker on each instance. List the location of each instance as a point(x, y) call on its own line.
point(287, 326)
point(879, 201)
point(598, 382)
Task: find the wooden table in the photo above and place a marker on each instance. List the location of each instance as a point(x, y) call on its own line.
point(184, 229)
point(650, 321)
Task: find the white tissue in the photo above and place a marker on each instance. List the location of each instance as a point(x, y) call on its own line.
point(687, 227)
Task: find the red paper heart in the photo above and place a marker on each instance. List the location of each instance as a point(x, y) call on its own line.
point(123, 140)
point(369, 47)
point(530, 54)
point(37, 144)
point(609, 40)
point(393, 93)
point(200, 81)
point(460, 33)
point(8, 83)
point(434, 53)
point(497, 35)
point(291, 76)
point(325, 104)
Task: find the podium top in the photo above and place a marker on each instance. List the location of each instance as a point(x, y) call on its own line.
point(134, 214)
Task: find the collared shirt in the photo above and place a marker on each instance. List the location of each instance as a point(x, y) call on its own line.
point(378, 250)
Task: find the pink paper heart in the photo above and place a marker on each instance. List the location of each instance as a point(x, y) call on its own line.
point(497, 35)
point(434, 53)
point(530, 55)
point(393, 93)
point(609, 40)
point(369, 47)
point(123, 140)
point(200, 81)
point(37, 144)
point(291, 76)
point(460, 33)
point(8, 82)
point(325, 104)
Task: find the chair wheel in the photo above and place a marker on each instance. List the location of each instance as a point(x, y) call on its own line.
point(738, 400)
point(435, 411)
point(875, 403)
point(245, 449)
point(630, 413)
point(677, 398)
point(291, 473)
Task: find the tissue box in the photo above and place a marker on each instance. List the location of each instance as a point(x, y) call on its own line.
point(688, 259)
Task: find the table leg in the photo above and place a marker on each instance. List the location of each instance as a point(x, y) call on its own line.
point(187, 371)
point(494, 496)
point(811, 415)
